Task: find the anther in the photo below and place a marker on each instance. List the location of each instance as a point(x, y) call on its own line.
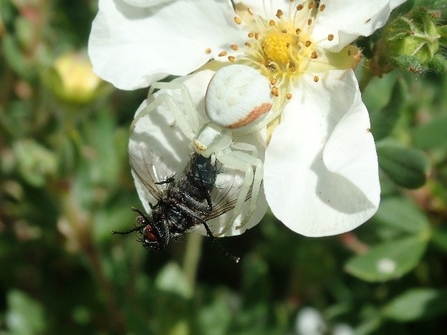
point(316, 79)
point(250, 35)
point(247, 44)
point(231, 59)
point(322, 8)
point(289, 96)
point(273, 81)
point(330, 37)
point(275, 91)
point(256, 36)
point(307, 44)
point(310, 5)
point(314, 55)
point(297, 31)
point(309, 22)
point(208, 50)
point(271, 23)
point(237, 20)
point(299, 7)
point(234, 47)
point(223, 53)
point(279, 13)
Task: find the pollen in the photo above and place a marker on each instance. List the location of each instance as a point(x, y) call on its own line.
point(276, 47)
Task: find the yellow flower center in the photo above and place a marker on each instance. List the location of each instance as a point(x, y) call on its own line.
point(283, 48)
point(276, 46)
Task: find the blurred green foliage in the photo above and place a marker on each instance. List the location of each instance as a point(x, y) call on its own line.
point(65, 184)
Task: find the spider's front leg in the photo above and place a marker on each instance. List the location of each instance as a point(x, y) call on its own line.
point(250, 155)
point(185, 115)
point(245, 163)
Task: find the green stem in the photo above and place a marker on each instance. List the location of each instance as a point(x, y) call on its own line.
point(192, 257)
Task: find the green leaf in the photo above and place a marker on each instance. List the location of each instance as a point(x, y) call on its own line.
point(417, 304)
point(439, 238)
point(383, 121)
point(15, 58)
point(407, 167)
point(432, 134)
point(25, 315)
point(403, 214)
point(389, 260)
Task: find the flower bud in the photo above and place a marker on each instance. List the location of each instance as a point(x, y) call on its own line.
point(411, 42)
point(72, 80)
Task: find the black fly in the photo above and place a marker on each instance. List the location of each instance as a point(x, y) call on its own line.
point(182, 203)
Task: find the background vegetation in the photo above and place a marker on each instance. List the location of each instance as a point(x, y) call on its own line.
point(65, 184)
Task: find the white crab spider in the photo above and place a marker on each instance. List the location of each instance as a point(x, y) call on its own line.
point(236, 102)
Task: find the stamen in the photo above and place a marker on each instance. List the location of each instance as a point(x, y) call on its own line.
point(275, 91)
point(247, 44)
point(273, 81)
point(307, 44)
point(309, 22)
point(314, 55)
point(231, 59)
point(289, 96)
point(299, 7)
point(330, 37)
point(208, 50)
point(237, 20)
point(322, 8)
point(272, 23)
point(316, 79)
point(279, 13)
point(234, 47)
point(223, 53)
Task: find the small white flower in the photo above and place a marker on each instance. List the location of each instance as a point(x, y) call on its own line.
point(321, 173)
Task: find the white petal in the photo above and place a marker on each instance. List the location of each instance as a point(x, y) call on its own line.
point(132, 47)
point(158, 132)
point(146, 3)
point(321, 171)
point(349, 19)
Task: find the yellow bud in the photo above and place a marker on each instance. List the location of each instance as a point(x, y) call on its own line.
point(72, 79)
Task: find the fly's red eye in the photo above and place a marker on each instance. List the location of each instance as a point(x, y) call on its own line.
point(148, 234)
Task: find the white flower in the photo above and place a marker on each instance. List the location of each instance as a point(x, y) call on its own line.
point(321, 174)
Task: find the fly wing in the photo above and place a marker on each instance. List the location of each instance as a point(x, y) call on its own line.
point(150, 169)
point(226, 193)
